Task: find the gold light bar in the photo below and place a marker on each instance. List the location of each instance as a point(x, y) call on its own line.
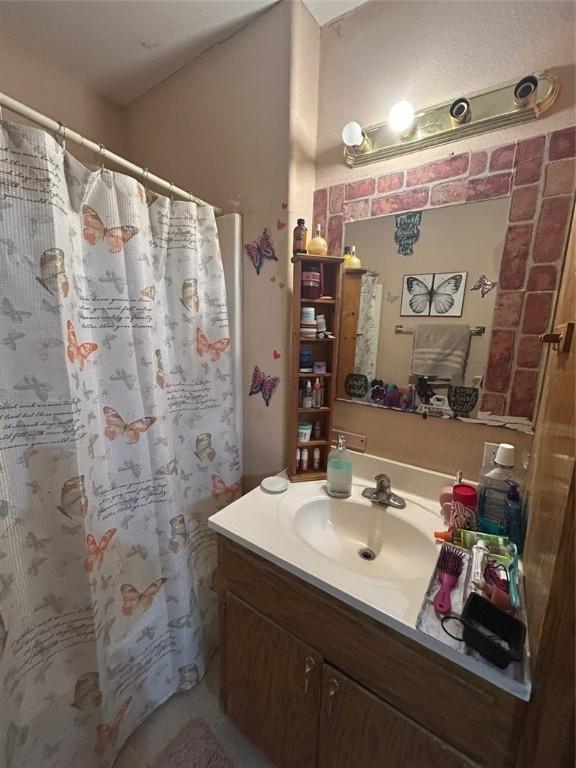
point(500, 107)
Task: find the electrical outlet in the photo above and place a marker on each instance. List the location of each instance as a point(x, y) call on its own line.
point(489, 454)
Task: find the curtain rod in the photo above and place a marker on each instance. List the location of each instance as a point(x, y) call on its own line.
point(67, 134)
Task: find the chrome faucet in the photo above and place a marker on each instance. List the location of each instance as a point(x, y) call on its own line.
point(382, 494)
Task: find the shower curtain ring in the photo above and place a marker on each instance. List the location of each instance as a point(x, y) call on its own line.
point(101, 150)
point(62, 132)
point(172, 191)
point(145, 174)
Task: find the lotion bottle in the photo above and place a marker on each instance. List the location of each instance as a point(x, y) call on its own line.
point(339, 471)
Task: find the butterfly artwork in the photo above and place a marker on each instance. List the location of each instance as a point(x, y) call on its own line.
point(95, 550)
point(148, 633)
point(433, 294)
point(177, 533)
point(214, 349)
point(78, 352)
point(260, 249)
point(116, 426)
point(264, 384)
point(111, 277)
point(171, 468)
point(190, 620)
point(54, 309)
point(56, 604)
point(127, 378)
point(15, 315)
point(95, 232)
point(224, 494)
point(484, 285)
point(107, 733)
point(131, 466)
point(73, 498)
point(132, 599)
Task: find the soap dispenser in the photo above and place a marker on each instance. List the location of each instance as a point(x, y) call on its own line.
point(339, 471)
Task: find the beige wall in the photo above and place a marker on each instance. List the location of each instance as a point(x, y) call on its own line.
point(464, 238)
point(29, 79)
point(432, 51)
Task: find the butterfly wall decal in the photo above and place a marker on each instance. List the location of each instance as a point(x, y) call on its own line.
point(116, 426)
point(224, 493)
point(107, 733)
point(433, 294)
point(76, 351)
point(96, 550)
point(133, 599)
point(260, 249)
point(264, 384)
point(94, 231)
point(484, 285)
point(213, 348)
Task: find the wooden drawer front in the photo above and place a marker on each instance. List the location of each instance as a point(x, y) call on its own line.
point(275, 704)
point(358, 730)
point(470, 714)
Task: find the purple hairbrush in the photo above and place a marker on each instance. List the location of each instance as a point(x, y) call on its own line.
point(449, 569)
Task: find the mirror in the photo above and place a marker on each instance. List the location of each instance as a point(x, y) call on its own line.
point(417, 317)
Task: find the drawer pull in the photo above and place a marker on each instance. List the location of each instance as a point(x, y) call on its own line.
point(333, 687)
point(309, 667)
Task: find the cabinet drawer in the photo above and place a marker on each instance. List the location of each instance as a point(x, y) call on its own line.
point(470, 714)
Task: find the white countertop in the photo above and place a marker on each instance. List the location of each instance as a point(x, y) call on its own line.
point(262, 522)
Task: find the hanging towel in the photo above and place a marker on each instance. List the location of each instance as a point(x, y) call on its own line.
point(441, 350)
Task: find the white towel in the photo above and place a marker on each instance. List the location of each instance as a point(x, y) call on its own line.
point(441, 350)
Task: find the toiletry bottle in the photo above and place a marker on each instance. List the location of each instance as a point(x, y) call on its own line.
point(322, 393)
point(304, 460)
point(318, 246)
point(479, 557)
point(347, 253)
point(316, 459)
point(493, 492)
point(339, 474)
point(317, 394)
point(316, 430)
point(353, 262)
point(297, 459)
point(307, 400)
point(299, 237)
point(514, 516)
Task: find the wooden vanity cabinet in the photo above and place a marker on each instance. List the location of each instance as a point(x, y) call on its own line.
point(315, 683)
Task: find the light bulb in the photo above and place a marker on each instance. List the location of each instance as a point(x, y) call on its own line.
point(401, 117)
point(352, 134)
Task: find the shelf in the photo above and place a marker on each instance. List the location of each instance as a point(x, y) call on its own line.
point(323, 409)
point(321, 259)
point(318, 301)
point(301, 477)
point(304, 340)
point(314, 375)
point(312, 443)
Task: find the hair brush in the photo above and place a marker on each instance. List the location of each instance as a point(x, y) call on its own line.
point(449, 568)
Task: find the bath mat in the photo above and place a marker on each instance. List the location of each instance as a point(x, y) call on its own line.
point(195, 746)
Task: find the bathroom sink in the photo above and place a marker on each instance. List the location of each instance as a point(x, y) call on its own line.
point(374, 542)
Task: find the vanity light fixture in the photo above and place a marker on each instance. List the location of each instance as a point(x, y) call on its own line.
point(407, 131)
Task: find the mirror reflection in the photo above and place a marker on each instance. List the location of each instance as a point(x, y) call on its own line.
point(417, 315)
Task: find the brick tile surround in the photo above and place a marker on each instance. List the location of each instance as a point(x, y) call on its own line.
point(538, 176)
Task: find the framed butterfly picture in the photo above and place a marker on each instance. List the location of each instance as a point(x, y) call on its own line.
point(435, 294)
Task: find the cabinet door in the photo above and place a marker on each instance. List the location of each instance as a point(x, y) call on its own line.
point(271, 686)
point(359, 730)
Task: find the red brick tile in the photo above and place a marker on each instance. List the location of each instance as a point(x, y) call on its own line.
point(551, 231)
point(529, 352)
point(515, 256)
point(524, 202)
point(478, 163)
point(413, 199)
point(523, 394)
point(488, 186)
point(320, 205)
point(498, 373)
point(508, 309)
point(356, 209)
point(502, 158)
point(530, 148)
point(449, 192)
point(390, 182)
point(335, 236)
point(438, 170)
point(537, 312)
point(362, 188)
point(560, 178)
point(563, 144)
point(542, 277)
point(528, 171)
point(494, 404)
point(336, 199)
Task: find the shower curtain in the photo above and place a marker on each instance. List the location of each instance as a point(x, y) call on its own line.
point(117, 442)
point(368, 326)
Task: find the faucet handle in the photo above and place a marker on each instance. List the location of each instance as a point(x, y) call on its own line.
point(382, 483)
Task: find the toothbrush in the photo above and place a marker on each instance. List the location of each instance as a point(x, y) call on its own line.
point(449, 569)
point(513, 576)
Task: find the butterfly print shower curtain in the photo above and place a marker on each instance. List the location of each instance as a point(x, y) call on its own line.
point(116, 444)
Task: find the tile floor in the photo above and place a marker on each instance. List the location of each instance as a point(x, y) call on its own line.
point(160, 728)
